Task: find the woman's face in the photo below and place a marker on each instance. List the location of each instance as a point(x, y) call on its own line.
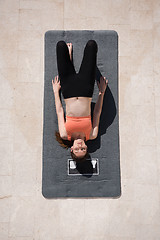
point(79, 148)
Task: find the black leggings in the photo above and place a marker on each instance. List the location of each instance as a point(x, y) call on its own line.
point(79, 84)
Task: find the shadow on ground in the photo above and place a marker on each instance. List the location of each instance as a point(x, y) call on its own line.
point(108, 114)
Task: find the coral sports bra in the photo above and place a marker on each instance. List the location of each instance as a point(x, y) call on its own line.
point(78, 124)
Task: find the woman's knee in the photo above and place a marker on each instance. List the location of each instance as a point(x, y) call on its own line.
point(92, 43)
point(61, 44)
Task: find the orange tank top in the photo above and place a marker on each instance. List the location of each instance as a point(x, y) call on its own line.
point(78, 124)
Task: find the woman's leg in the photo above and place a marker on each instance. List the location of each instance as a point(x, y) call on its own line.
point(88, 66)
point(66, 69)
point(64, 64)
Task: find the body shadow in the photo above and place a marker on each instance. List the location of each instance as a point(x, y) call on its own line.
point(107, 117)
point(85, 168)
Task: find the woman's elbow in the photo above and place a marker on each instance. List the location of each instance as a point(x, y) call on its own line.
point(63, 136)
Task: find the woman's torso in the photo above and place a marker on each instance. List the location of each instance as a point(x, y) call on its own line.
point(78, 106)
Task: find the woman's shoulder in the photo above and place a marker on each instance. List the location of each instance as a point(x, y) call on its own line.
point(64, 136)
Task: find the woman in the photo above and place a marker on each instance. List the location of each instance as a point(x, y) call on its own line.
point(77, 90)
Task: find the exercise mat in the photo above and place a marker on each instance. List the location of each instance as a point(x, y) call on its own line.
point(99, 176)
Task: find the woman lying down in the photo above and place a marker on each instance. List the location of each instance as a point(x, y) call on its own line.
point(77, 90)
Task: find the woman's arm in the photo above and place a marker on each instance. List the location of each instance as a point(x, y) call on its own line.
point(98, 107)
point(59, 108)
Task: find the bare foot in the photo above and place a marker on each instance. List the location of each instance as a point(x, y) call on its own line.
point(70, 46)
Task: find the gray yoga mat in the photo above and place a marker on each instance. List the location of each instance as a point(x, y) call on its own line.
point(100, 175)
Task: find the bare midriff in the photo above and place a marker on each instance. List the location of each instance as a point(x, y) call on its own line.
point(78, 106)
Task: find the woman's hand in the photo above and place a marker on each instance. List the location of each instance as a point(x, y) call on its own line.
point(56, 84)
point(102, 85)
